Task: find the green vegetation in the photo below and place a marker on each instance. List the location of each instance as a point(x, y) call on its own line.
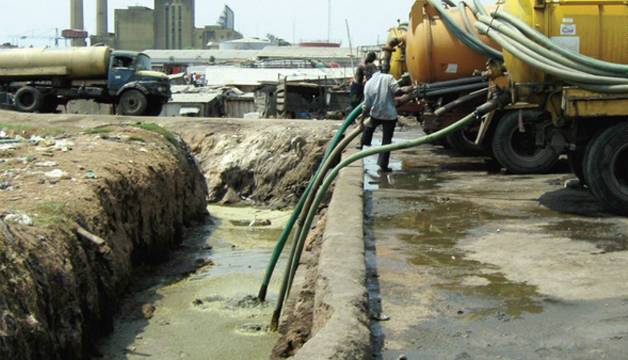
point(51, 213)
point(137, 139)
point(99, 130)
point(159, 130)
point(32, 130)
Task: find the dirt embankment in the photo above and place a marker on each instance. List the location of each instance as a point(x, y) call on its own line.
point(78, 213)
point(267, 163)
point(263, 162)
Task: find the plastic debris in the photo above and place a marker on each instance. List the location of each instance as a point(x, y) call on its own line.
point(19, 218)
point(57, 174)
point(46, 164)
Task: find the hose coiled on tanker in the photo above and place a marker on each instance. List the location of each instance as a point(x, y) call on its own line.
point(535, 49)
point(467, 38)
point(619, 69)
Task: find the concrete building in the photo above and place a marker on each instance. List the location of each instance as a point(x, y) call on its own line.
point(227, 19)
point(245, 44)
point(174, 24)
point(134, 28)
point(102, 17)
point(77, 20)
point(212, 35)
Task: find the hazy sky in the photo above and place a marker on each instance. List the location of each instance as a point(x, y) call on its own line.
point(290, 19)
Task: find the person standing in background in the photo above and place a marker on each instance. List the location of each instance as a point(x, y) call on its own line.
point(382, 94)
point(357, 85)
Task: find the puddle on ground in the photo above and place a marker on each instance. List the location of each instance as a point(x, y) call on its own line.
point(213, 312)
point(433, 228)
point(605, 235)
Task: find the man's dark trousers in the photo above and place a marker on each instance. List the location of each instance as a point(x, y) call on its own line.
point(388, 127)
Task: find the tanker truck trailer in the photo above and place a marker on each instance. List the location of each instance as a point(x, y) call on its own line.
point(39, 80)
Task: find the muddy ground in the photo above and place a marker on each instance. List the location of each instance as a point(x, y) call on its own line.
point(79, 211)
point(469, 263)
point(261, 162)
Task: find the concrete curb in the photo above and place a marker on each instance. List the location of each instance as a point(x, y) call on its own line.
point(341, 322)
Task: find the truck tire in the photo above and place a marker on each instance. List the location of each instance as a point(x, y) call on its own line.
point(576, 163)
point(28, 99)
point(517, 151)
point(49, 104)
point(578, 158)
point(133, 103)
point(607, 168)
point(463, 142)
point(155, 106)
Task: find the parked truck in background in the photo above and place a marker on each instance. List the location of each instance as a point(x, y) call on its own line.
point(39, 80)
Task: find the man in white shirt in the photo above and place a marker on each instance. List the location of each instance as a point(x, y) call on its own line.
point(380, 103)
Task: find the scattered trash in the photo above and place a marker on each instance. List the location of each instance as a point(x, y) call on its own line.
point(63, 145)
point(380, 317)
point(57, 174)
point(260, 223)
point(46, 164)
point(91, 175)
point(148, 311)
point(19, 218)
point(35, 140)
point(4, 185)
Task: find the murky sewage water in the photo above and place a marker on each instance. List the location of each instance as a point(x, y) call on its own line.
point(210, 312)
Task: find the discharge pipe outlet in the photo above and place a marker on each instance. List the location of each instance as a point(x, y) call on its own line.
point(283, 238)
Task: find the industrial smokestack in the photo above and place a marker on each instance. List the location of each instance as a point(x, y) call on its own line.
point(76, 20)
point(101, 18)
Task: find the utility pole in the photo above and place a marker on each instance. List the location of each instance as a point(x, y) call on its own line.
point(350, 43)
point(329, 21)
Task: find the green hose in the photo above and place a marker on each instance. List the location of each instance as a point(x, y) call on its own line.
point(518, 37)
point(297, 247)
point(283, 238)
point(470, 41)
point(620, 69)
point(563, 73)
point(300, 240)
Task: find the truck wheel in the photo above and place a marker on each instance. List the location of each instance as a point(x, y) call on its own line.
point(607, 170)
point(49, 104)
point(518, 151)
point(133, 103)
point(463, 142)
point(576, 163)
point(28, 99)
point(155, 106)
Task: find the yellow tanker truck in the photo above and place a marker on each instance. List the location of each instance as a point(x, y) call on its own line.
point(39, 80)
point(443, 67)
point(566, 70)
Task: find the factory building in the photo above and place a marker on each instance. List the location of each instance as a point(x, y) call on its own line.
point(135, 28)
point(174, 24)
point(168, 25)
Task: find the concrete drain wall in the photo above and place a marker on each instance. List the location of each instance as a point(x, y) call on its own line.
point(340, 322)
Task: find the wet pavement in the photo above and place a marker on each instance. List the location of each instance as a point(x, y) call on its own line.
point(201, 304)
point(468, 263)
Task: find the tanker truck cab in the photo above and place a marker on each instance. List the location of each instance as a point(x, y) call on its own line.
point(136, 88)
point(39, 80)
